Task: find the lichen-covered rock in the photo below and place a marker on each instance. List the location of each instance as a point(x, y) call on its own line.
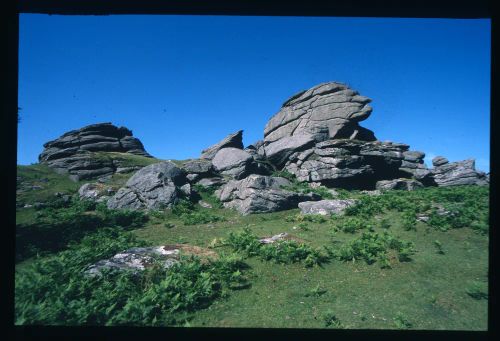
point(71, 153)
point(457, 173)
point(325, 207)
point(401, 184)
point(155, 186)
point(234, 140)
point(260, 193)
point(326, 111)
point(95, 191)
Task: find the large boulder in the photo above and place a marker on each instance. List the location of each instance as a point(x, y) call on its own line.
point(457, 173)
point(260, 193)
point(71, 153)
point(156, 186)
point(325, 207)
point(232, 162)
point(278, 152)
point(95, 192)
point(234, 140)
point(326, 111)
point(198, 168)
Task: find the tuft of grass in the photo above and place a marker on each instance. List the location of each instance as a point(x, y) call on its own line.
point(330, 320)
point(477, 290)
point(401, 321)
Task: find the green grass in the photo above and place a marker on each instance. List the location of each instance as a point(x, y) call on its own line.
point(440, 285)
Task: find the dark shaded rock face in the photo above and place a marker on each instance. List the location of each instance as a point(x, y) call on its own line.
point(400, 184)
point(156, 186)
point(327, 111)
point(234, 140)
point(259, 193)
point(70, 153)
point(352, 163)
point(457, 173)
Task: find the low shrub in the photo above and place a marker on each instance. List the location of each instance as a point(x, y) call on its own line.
point(371, 246)
point(331, 320)
point(313, 218)
point(284, 252)
point(200, 217)
point(401, 321)
point(477, 290)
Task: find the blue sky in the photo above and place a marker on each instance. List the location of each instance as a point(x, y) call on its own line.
point(182, 83)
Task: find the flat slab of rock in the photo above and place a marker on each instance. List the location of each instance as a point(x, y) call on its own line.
point(260, 193)
point(399, 184)
point(326, 207)
point(156, 186)
point(273, 239)
point(140, 258)
point(234, 140)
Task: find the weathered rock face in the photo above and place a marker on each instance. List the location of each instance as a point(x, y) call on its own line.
point(198, 169)
point(353, 164)
point(326, 111)
point(155, 186)
point(70, 153)
point(260, 193)
point(325, 207)
point(234, 140)
point(401, 184)
point(232, 162)
point(457, 173)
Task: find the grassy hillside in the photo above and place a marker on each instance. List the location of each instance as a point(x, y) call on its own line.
point(375, 267)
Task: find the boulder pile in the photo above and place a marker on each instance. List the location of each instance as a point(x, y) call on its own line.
point(315, 136)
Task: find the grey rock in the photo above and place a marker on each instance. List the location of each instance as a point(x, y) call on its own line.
point(278, 152)
point(95, 192)
point(274, 239)
point(232, 162)
point(136, 259)
point(234, 140)
point(326, 111)
point(260, 193)
point(155, 186)
point(71, 153)
point(439, 161)
point(458, 173)
point(204, 204)
point(399, 184)
point(211, 182)
point(325, 207)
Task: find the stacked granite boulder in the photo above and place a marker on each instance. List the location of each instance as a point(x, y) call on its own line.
point(447, 173)
point(72, 152)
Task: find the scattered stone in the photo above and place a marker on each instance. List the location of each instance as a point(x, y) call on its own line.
point(234, 140)
point(273, 239)
point(204, 204)
point(399, 184)
point(375, 192)
point(95, 191)
point(326, 207)
point(260, 193)
point(211, 182)
point(156, 186)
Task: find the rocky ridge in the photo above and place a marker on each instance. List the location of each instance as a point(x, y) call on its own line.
point(315, 136)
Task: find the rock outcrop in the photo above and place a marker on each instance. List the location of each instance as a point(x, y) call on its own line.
point(71, 153)
point(96, 192)
point(156, 186)
point(234, 140)
point(233, 162)
point(260, 193)
point(327, 111)
point(325, 207)
point(447, 173)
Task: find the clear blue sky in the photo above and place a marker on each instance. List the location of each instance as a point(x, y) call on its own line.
point(182, 83)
